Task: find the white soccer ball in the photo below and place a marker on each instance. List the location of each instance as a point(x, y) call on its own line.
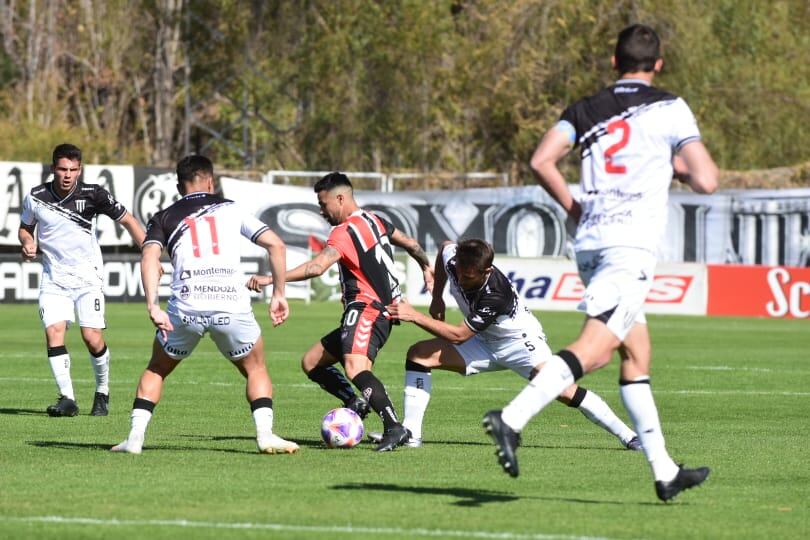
point(342, 428)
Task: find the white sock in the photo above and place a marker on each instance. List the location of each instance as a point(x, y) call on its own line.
point(597, 411)
point(417, 396)
point(60, 366)
point(554, 377)
point(140, 420)
point(263, 417)
point(101, 368)
point(639, 402)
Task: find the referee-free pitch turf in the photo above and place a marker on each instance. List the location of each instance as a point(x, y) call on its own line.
point(733, 394)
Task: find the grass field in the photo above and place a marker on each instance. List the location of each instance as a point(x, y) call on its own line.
point(734, 394)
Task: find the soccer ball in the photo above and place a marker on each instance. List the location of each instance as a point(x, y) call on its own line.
point(342, 428)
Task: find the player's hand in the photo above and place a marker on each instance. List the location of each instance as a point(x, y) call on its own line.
point(428, 272)
point(161, 321)
point(257, 283)
point(278, 310)
point(437, 309)
point(29, 251)
point(402, 311)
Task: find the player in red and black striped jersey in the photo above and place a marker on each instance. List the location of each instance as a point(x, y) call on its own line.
point(361, 245)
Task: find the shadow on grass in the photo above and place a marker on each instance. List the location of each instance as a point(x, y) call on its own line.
point(27, 412)
point(67, 445)
point(467, 497)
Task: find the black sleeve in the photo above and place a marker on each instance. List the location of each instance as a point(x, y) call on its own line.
point(107, 205)
point(487, 309)
point(155, 232)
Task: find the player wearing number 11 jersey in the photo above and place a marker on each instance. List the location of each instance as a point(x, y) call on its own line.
point(202, 234)
point(632, 138)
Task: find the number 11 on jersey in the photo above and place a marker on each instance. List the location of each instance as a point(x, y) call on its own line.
point(195, 238)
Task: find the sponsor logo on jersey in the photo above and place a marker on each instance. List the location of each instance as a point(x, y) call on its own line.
point(185, 274)
point(184, 292)
point(205, 272)
point(225, 289)
point(206, 320)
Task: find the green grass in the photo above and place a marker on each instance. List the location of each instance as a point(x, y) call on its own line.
point(734, 394)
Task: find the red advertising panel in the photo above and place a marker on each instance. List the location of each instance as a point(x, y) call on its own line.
point(759, 291)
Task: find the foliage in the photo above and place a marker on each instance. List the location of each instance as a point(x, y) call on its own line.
point(394, 86)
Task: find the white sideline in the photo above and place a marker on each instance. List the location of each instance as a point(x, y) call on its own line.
point(347, 529)
point(398, 387)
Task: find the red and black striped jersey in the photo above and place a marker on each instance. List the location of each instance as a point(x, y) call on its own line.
point(366, 259)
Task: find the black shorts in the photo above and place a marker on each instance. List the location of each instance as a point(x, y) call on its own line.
point(363, 330)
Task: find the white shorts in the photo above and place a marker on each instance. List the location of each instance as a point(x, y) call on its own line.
point(519, 355)
point(235, 334)
point(617, 282)
point(57, 304)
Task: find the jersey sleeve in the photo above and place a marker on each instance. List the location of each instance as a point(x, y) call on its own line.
point(448, 253)
point(155, 232)
point(28, 217)
point(340, 240)
point(252, 227)
point(486, 312)
point(107, 205)
point(568, 124)
point(684, 126)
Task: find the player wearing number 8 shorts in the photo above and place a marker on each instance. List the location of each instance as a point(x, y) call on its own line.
point(203, 234)
point(632, 138)
point(361, 243)
point(60, 216)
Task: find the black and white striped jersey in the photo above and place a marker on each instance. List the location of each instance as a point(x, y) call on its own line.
point(627, 134)
point(65, 230)
point(202, 234)
point(495, 311)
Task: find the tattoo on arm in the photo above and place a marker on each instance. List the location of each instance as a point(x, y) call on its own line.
point(313, 269)
point(416, 251)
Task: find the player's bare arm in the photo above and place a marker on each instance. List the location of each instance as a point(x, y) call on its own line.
point(150, 276)
point(413, 248)
point(552, 148)
point(278, 309)
point(133, 227)
point(312, 268)
point(28, 242)
point(452, 333)
point(437, 307)
point(695, 167)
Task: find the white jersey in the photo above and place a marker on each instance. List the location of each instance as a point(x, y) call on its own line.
point(202, 234)
point(65, 231)
point(495, 311)
point(628, 134)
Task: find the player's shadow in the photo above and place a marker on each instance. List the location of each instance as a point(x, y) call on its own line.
point(305, 443)
point(25, 412)
point(67, 445)
point(466, 497)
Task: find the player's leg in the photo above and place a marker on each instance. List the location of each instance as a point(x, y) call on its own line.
point(636, 392)
point(56, 310)
point(319, 365)
point(259, 393)
point(150, 388)
point(90, 307)
point(422, 357)
point(595, 409)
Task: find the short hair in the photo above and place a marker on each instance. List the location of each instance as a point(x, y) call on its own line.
point(192, 166)
point(68, 151)
point(474, 253)
point(637, 49)
point(331, 181)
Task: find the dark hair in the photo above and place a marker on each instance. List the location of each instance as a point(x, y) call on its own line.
point(474, 253)
point(192, 166)
point(68, 151)
point(637, 49)
point(331, 181)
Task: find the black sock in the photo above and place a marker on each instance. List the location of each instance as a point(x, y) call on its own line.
point(333, 381)
point(374, 391)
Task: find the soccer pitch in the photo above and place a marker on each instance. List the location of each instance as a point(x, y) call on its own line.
point(733, 394)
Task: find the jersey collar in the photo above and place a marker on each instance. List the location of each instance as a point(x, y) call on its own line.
point(60, 200)
point(631, 81)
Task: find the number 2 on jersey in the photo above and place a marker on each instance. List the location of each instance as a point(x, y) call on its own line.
point(624, 127)
point(195, 238)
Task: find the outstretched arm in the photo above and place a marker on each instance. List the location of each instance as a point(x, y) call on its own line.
point(133, 227)
point(452, 333)
point(312, 268)
point(400, 239)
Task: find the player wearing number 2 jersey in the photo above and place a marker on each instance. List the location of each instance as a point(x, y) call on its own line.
point(361, 244)
point(202, 234)
point(632, 138)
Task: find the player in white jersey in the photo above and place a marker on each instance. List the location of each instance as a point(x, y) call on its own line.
point(60, 217)
point(498, 332)
point(202, 234)
point(633, 137)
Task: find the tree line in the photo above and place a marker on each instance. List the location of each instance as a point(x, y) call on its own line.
point(404, 85)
